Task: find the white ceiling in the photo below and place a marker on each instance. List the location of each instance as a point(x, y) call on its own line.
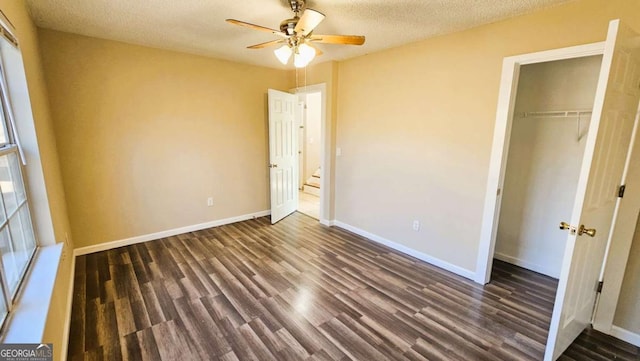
point(198, 26)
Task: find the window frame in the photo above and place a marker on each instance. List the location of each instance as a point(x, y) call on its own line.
point(6, 287)
point(12, 146)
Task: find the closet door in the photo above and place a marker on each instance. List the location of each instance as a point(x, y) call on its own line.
point(602, 167)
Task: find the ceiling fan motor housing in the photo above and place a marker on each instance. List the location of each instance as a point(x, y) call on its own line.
point(288, 26)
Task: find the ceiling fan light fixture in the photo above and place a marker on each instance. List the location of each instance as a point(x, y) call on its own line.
point(307, 52)
point(283, 54)
point(299, 61)
point(297, 34)
point(303, 55)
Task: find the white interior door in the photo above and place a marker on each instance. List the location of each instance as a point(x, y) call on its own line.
point(604, 159)
point(283, 154)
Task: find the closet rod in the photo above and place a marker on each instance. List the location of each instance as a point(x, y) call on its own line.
point(555, 114)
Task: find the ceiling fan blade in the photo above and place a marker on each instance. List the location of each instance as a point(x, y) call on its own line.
point(338, 39)
point(256, 27)
point(308, 21)
point(318, 51)
point(264, 45)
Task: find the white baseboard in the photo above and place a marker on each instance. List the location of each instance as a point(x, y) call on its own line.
point(624, 335)
point(67, 321)
point(328, 223)
point(168, 233)
point(409, 251)
point(528, 265)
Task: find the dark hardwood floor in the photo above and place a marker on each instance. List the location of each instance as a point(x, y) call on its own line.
point(301, 291)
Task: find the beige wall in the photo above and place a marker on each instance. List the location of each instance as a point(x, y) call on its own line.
point(415, 125)
point(146, 135)
point(47, 201)
point(46, 157)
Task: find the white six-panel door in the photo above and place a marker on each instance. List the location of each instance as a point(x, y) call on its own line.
point(604, 159)
point(283, 154)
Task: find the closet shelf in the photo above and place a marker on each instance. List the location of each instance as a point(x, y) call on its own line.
point(555, 114)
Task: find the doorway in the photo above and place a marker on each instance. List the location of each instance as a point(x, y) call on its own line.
point(311, 149)
point(550, 125)
point(287, 178)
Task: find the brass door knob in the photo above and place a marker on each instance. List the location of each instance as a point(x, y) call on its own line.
point(591, 232)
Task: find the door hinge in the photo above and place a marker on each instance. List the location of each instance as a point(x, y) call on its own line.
point(621, 191)
point(599, 289)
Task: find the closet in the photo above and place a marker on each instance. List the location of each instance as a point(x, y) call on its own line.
point(548, 136)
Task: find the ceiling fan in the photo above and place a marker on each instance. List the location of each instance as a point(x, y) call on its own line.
point(296, 35)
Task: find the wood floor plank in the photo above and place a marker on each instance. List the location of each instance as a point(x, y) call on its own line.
point(149, 349)
point(174, 345)
point(255, 344)
point(203, 333)
point(350, 343)
point(301, 291)
point(238, 343)
point(220, 308)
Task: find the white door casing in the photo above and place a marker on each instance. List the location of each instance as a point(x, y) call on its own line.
point(602, 167)
point(283, 154)
point(501, 139)
point(301, 116)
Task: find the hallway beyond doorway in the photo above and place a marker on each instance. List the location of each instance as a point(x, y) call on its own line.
point(309, 204)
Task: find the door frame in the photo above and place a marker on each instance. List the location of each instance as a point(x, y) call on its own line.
point(501, 138)
point(325, 151)
point(302, 134)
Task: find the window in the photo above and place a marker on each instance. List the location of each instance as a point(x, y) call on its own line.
point(17, 238)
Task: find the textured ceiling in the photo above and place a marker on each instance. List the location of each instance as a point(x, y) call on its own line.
point(198, 26)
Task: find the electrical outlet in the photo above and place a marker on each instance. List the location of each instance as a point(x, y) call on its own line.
point(416, 225)
point(210, 202)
